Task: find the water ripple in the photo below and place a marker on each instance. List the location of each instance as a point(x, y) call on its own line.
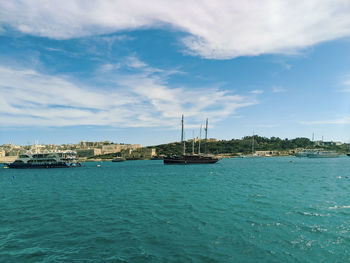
point(239, 210)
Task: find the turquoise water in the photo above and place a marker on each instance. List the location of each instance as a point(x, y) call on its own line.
point(238, 210)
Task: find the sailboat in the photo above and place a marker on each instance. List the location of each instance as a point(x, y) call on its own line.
point(191, 158)
point(253, 150)
point(253, 153)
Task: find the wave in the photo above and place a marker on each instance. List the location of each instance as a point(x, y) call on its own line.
point(339, 207)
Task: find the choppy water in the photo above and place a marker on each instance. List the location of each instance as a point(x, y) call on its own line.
point(238, 210)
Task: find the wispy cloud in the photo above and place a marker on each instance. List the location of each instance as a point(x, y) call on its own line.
point(139, 99)
point(134, 62)
point(257, 91)
point(216, 29)
point(54, 49)
point(336, 121)
point(278, 89)
point(109, 67)
point(265, 125)
point(344, 83)
point(347, 82)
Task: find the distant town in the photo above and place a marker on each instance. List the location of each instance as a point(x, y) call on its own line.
point(104, 150)
point(84, 149)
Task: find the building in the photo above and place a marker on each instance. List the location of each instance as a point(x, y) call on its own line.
point(140, 153)
point(85, 144)
point(89, 152)
point(330, 143)
point(115, 148)
point(266, 153)
point(88, 144)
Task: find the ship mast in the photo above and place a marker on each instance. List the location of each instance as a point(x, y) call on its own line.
point(182, 135)
point(199, 140)
point(253, 143)
point(192, 142)
point(206, 136)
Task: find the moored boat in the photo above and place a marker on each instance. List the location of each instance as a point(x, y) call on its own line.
point(118, 159)
point(157, 158)
point(305, 152)
point(46, 160)
point(191, 158)
point(323, 154)
point(317, 153)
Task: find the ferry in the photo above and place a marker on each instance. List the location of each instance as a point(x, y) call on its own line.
point(46, 160)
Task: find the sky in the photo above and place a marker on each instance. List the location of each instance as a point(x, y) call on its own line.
point(125, 71)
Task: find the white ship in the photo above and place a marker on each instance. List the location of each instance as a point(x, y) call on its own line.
point(46, 160)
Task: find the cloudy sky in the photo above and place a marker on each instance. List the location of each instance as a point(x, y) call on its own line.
point(125, 71)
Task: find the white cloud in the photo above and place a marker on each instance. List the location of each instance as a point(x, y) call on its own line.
point(140, 99)
point(109, 67)
point(216, 29)
point(278, 89)
point(340, 121)
point(345, 83)
point(266, 125)
point(54, 49)
point(134, 62)
point(257, 91)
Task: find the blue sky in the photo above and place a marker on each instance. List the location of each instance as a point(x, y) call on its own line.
point(126, 72)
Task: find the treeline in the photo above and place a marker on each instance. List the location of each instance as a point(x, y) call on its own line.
point(237, 146)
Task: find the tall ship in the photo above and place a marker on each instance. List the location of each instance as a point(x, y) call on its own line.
point(191, 158)
point(317, 153)
point(46, 160)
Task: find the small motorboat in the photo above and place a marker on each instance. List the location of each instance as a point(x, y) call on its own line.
point(118, 159)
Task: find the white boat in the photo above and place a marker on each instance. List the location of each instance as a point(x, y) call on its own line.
point(118, 159)
point(305, 152)
point(317, 153)
point(46, 160)
point(323, 154)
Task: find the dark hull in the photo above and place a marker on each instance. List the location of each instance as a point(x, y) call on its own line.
point(156, 158)
point(348, 154)
point(118, 160)
point(190, 159)
point(35, 166)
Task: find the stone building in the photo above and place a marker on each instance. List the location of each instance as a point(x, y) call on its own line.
point(88, 152)
point(141, 153)
point(115, 148)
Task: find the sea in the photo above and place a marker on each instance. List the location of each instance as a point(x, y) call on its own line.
point(282, 209)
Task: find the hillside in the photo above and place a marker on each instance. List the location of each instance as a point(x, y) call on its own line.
point(243, 146)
